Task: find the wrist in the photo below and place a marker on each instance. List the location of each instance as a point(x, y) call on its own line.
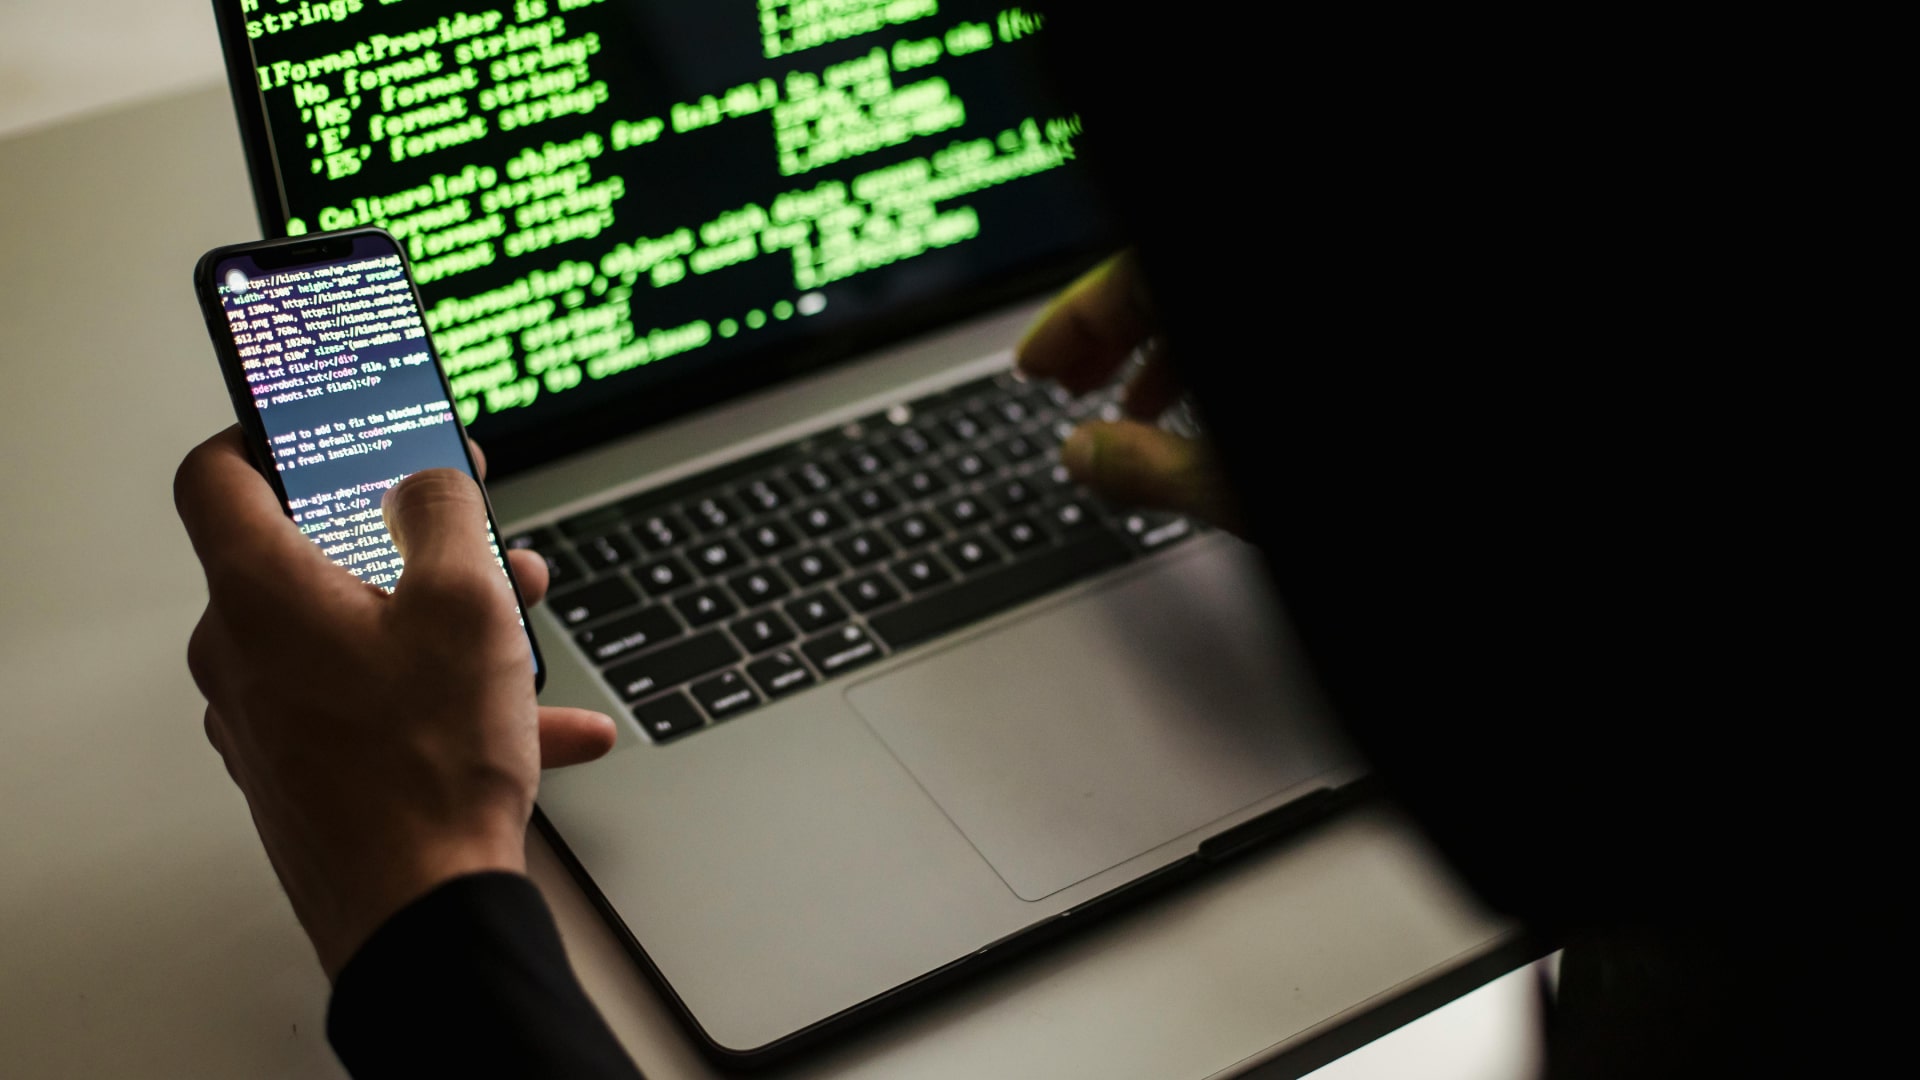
point(370, 895)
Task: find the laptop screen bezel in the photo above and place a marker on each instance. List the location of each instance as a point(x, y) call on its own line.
point(633, 413)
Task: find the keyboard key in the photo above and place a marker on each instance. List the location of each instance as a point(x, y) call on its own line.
point(921, 572)
point(623, 637)
point(813, 478)
point(672, 665)
point(1053, 478)
point(871, 501)
point(972, 553)
point(766, 495)
point(998, 589)
point(780, 674)
point(841, 650)
point(705, 605)
point(820, 519)
point(812, 567)
point(758, 633)
point(714, 513)
point(1070, 516)
point(758, 586)
point(1013, 410)
point(925, 483)
point(725, 695)
point(540, 539)
point(668, 716)
point(607, 551)
point(590, 602)
point(1036, 398)
point(864, 461)
point(816, 612)
point(965, 510)
point(1016, 448)
point(1020, 533)
point(716, 556)
point(971, 466)
point(985, 415)
point(913, 530)
point(911, 442)
point(663, 576)
point(1014, 492)
point(563, 569)
point(769, 537)
point(1153, 530)
point(862, 548)
point(661, 531)
point(962, 425)
point(933, 431)
point(1082, 408)
point(868, 591)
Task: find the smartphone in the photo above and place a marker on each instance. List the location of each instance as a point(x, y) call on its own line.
point(323, 343)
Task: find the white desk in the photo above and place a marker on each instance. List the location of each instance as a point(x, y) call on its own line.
point(142, 933)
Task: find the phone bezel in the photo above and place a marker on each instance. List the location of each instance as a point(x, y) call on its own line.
point(294, 251)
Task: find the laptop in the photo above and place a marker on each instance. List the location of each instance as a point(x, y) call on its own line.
point(727, 292)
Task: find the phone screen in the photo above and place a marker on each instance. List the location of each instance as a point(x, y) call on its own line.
point(335, 359)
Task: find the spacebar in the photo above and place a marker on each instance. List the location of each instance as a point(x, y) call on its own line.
point(996, 590)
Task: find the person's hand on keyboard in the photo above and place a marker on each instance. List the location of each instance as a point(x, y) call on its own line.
point(385, 743)
point(1082, 341)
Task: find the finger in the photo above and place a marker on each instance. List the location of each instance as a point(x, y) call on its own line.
point(1090, 329)
point(217, 734)
point(1137, 464)
point(438, 520)
point(232, 516)
point(530, 573)
point(479, 459)
point(573, 736)
point(1154, 387)
point(210, 722)
point(203, 655)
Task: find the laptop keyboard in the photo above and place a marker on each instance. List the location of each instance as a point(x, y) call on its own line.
point(716, 594)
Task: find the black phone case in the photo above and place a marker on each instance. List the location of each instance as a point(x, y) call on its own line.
point(291, 251)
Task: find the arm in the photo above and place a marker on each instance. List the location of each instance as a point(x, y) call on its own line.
point(469, 980)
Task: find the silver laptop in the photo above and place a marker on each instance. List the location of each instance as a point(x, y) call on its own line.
point(728, 291)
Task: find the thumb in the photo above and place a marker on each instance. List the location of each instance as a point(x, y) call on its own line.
point(438, 519)
point(573, 736)
point(1138, 464)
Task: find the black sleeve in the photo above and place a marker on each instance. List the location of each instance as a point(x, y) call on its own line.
point(469, 980)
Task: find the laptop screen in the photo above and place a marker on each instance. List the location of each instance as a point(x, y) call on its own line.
point(618, 210)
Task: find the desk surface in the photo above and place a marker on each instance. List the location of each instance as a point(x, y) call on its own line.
point(144, 933)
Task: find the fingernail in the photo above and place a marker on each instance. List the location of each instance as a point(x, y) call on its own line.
point(1078, 451)
point(1020, 362)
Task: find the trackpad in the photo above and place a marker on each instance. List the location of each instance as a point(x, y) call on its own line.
point(1095, 731)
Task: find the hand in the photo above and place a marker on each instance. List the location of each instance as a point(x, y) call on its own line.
point(385, 743)
point(1081, 341)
